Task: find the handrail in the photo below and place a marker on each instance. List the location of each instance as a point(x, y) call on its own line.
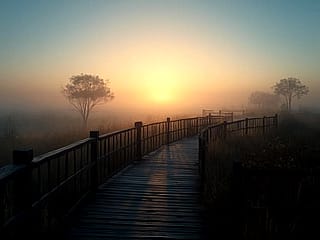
point(115, 133)
point(47, 156)
point(211, 134)
point(8, 171)
point(42, 190)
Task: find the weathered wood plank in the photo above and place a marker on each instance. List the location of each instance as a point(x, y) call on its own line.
point(156, 198)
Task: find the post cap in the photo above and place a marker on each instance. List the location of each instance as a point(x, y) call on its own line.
point(94, 134)
point(138, 124)
point(22, 156)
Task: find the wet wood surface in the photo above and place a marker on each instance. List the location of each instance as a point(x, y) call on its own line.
point(155, 198)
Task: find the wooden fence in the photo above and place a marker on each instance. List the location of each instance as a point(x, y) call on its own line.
point(37, 193)
point(271, 202)
point(231, 114)
point(212, 169)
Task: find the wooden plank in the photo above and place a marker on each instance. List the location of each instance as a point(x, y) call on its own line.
point(156, 198)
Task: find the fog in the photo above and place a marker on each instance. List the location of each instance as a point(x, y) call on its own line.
point(162, 60)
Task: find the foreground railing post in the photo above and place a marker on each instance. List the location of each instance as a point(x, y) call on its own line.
point(225, 129)
point(246, 126)
point(138, 126)
point(94, 159)
point(264, 125)
point(198, 123)
point(276, 120)
point(22, 196)
point(168, 130)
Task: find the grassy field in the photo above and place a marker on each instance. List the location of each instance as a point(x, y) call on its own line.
point(47, 131)
point(274, 191)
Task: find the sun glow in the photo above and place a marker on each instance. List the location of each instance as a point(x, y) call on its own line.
point(162, 84)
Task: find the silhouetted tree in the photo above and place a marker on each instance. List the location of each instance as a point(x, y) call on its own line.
point(264, 100)
point(85, 91)
point(290, 88)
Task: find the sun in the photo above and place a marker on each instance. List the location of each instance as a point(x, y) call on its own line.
point(161, 84)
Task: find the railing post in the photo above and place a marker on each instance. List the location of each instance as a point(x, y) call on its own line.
point(209, 122)
point(225, 129)
point(168, 130)
point(246, 126)
point(94, 159)
point(198, 128)
point(264, 125)
point(276, 120)
point(22, 192)
point(138, 126)
point(22, 196)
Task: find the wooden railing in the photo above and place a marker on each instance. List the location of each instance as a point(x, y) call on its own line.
point(230, 114)
point(37, 193)
point(212, 169)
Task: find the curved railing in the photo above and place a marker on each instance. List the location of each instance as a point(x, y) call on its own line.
point(36, 193)
point(211, 168)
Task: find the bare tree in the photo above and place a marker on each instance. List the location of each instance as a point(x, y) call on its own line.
point(290, 88)
point(85, 91)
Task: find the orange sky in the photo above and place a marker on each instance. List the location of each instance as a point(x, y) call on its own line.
point(160, 56)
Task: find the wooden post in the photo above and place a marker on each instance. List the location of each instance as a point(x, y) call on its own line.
point(138, 126)
point(224, 129)
point(168, 130)
point(22, 187)
point(264, 125)
point(198, 127)
point(246, 126)
point(209, 122)
point(94, 159)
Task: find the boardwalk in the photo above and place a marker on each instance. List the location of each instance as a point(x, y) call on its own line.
point(156, 198)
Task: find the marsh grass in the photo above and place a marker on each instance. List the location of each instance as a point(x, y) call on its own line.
point(264, 190)
point(46, 132)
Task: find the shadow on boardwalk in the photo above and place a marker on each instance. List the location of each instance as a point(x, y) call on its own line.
point(156, 198)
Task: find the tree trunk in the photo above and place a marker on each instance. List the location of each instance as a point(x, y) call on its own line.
point(84, 122)
point(287, 103)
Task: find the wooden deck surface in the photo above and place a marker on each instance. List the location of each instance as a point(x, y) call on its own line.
point(156, 198)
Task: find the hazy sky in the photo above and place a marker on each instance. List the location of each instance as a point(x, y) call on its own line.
point(167, 55)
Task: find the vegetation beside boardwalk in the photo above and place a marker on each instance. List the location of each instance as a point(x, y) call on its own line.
point(271, 183)
point(296, 144)
point(46, 131)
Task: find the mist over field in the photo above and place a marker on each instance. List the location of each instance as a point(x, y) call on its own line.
point(162, 59)
point(232, 89)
